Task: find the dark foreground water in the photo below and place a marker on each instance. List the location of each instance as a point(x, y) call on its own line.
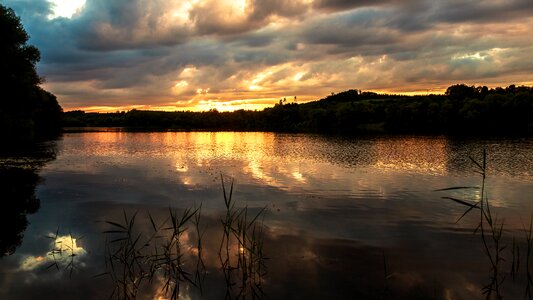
point(344, 219)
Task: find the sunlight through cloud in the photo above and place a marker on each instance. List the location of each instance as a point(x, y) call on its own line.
point(66, 8)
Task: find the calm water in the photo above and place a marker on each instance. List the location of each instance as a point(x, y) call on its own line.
point(345, 218)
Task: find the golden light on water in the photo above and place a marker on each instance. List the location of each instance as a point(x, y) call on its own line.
point(198, 158)
point(415, 155)
point(259, 158)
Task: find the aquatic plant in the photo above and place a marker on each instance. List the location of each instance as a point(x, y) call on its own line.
point(529, 246)
point(125, 260)
point(491, 231)
point(245, 275)
point(64, 252)
point(134, 259)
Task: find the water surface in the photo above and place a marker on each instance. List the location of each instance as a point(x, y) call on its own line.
point(345, 217)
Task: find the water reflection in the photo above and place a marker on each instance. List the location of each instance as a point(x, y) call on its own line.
point(18, 179)
point(303, 266)
point(64, 250)
point(340, 211)
point(428, 156)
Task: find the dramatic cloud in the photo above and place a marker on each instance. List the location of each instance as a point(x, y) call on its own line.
point(226, 54)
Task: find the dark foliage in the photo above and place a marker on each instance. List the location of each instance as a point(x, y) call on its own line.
point(18, 195)
point(462, 110)
point(26, 110)
point(19, 167)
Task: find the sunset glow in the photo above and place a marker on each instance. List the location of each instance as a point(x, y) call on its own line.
point(237, 54)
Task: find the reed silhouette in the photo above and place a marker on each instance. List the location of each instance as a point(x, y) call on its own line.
point(491, 231)
point(136, 259)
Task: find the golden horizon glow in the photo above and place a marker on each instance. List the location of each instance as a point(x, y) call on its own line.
point(231, 105)
point(205, 101)
point(223, 103)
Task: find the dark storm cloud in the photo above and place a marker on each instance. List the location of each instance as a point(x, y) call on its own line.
point(346, 5)
point(482, 11)
point(353, 29)
point(256, 40)
point(127, 24)
point(423, 14)
point(340, 5)
point(262, 9)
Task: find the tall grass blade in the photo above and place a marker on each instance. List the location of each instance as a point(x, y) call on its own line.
point(117, 225)
point(457, 188)
point(461, 202)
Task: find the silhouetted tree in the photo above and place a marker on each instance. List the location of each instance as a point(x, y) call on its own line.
point(460, 92)
point(26, 110)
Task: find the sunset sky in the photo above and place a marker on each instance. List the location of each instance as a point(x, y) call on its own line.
point(108, 55)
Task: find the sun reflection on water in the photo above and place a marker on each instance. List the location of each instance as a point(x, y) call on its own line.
point(356, 168)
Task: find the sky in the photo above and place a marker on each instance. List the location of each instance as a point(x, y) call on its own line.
point(110, 55)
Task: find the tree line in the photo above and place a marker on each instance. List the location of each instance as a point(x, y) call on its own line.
point(462, 109)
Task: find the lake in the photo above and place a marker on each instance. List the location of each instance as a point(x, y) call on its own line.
point(337, 217)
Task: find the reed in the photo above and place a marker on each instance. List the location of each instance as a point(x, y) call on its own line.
point(135, 259)
point(529, 252)
point(491, 231)
point(125, 261)
point(243, 275)
point(201, 270)
point(63, 253)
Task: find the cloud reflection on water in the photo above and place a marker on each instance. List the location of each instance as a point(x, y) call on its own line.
point(63, 250)
point(335, 205)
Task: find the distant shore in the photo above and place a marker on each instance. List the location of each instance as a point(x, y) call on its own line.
point(462, 110)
